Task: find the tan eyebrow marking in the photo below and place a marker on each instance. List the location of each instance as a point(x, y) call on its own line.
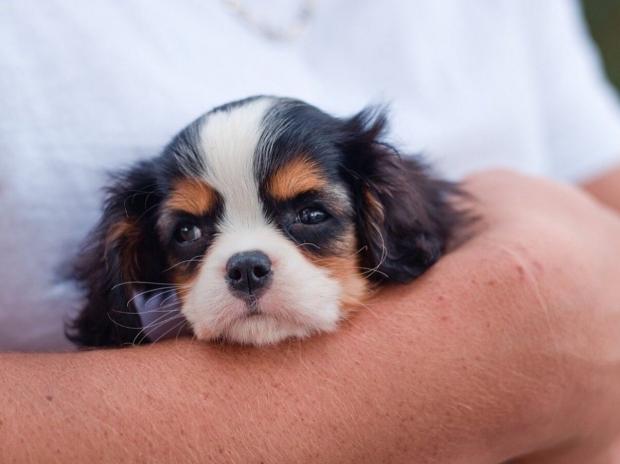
point(298, 176)
point(192, 196)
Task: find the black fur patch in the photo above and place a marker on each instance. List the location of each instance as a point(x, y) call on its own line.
point(111, 266)
point(405, 217)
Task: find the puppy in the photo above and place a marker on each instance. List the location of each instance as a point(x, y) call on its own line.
point(264, 219)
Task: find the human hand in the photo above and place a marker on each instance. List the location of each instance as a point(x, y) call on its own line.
point(567, 248)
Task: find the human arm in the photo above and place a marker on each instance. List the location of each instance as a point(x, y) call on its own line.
point(606, 188)
point(507, 346)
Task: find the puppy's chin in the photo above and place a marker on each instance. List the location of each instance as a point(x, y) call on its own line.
point(261, 329)
point(267, 326)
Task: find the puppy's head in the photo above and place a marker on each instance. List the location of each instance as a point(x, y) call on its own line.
point(267, 219)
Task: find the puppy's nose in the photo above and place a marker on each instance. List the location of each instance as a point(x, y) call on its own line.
point(248, 272)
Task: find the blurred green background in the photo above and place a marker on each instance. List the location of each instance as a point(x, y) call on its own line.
point(604, 19)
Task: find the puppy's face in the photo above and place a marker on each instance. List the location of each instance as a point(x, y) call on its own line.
point(269, 219)
point(259, 228)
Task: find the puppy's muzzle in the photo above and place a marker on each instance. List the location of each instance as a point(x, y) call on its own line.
point(248, 273)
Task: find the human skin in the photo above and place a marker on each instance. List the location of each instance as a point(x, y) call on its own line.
point(606, 188)
point(507, 347)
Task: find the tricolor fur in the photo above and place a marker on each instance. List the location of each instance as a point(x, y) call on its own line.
point(321, 203)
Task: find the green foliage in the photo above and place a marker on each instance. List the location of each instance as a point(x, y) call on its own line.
point(604, 19)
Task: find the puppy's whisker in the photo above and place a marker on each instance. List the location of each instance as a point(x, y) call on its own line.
point(171, 306)
point(371, 271)
point(367, 307)
point(141, 294)
point(150, 311)
point(195, 259)
point(346, 256)
point(167, 299)
point(384, 252)
point(144, 282)
point(305, 244)
point(179, 326)
point(109, 315)
point(160, 321)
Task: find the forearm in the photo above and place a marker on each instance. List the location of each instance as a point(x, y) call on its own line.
point(606, 188)
point(488, 356)
point(417, 374)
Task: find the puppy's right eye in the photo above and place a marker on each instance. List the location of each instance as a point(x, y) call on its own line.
point(187, 233)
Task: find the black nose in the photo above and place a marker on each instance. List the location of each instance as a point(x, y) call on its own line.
point(248, 272)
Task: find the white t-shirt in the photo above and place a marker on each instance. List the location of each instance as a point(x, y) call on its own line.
point(88, 86)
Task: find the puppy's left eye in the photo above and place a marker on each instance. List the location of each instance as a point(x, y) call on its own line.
point(311, 216)
point(186, 233)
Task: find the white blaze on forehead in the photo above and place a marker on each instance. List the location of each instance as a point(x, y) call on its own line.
point(302, 297)
point(229, 140)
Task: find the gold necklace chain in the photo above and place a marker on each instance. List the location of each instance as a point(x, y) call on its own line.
point(288, 33)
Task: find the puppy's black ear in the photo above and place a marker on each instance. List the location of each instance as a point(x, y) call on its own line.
point(404, 217)
point(120, 254)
